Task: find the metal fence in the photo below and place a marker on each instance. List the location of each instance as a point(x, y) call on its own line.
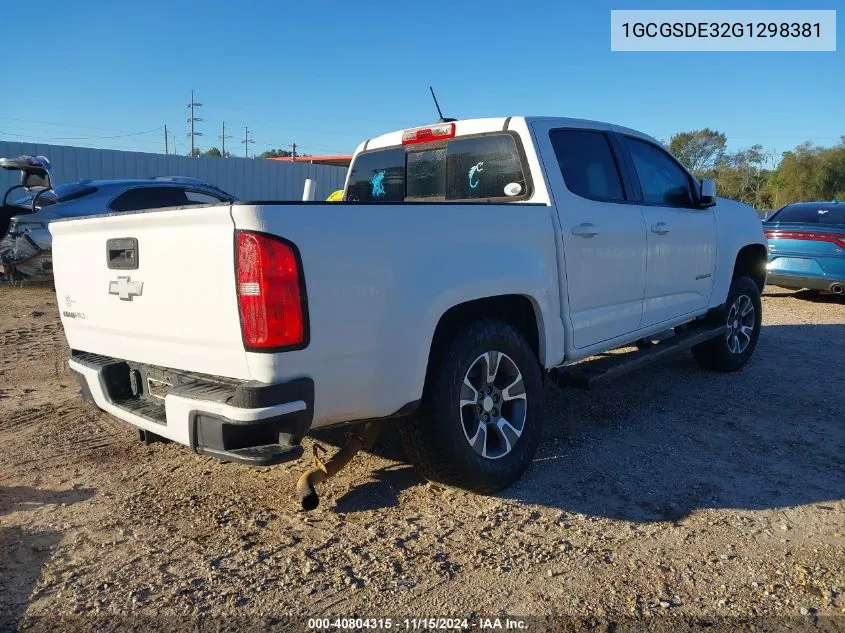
point(245, 178)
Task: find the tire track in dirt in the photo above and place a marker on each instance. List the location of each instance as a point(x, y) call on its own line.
point(717, 495)
point(66, 433)
point(34, 340)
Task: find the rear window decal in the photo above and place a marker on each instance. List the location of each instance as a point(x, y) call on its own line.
point(378, 185)
point(513, 189)
point(473, 173)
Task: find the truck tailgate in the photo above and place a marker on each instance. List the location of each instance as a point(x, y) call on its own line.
point(153, 287)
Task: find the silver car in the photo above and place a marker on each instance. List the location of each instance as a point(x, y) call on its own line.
point(25, 249)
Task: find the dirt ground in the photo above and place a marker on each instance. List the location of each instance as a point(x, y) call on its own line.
point(673, 493)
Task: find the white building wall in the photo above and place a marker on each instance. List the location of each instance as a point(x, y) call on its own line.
point(245, 178)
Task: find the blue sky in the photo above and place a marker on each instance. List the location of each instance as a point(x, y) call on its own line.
point(328, 74)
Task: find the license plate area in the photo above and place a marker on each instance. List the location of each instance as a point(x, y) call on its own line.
point(157, 388)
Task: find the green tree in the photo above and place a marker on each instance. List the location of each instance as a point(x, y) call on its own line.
point(699, 150)
point(216, 153)
point(743, 176)
point(276, 153)
point(806, 172)
point(810, 172)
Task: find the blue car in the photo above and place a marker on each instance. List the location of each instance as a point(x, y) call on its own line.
point(807, 246)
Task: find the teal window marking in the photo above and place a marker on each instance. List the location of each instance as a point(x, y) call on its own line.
point(378, 185)
point(473, 173)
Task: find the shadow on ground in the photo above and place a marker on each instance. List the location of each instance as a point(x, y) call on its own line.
point(23, 554)
point(381, 493)
point(813, 296)
point(673, 438)
point(16, 498)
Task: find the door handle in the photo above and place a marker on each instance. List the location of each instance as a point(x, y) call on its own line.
point(661, 228)
point(585, 229)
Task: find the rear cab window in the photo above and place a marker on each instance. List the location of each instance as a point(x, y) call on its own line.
point(378, 176)
point(477, 168)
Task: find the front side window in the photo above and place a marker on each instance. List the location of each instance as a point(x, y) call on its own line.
point(587, 164)
point(662, 179)
point(470, 168)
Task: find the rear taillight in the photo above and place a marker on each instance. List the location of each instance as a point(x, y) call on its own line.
point(271, 298)
point(813, 236)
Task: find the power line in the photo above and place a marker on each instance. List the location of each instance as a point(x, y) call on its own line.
point(87, 138)
point(223, 138)
point(191, 120)
point(151, 147)
point(40, 138)
point(85, 127)
point(246, 142)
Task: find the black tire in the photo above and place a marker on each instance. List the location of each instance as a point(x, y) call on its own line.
point(435, 439)
point(717, 354)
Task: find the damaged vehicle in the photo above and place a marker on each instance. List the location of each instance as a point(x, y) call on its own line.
point(26, 245)
point(469, 262)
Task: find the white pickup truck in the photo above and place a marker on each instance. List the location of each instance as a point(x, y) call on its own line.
point(470, 261)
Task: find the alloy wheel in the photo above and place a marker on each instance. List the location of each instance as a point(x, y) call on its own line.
point(493, 405)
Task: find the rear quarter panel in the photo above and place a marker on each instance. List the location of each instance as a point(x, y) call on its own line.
point(379, 277)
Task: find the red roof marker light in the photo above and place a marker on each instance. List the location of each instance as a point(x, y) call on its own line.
point(428, 134)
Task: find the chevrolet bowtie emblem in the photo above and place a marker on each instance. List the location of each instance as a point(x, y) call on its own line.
point(125, 288)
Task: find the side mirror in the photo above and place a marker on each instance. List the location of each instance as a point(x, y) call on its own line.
point(707, 193)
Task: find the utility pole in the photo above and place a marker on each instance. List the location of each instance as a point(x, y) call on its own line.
point(293, 153)
point(223, 138)
point(165, 141)
point(246, 142)
point(193, 104)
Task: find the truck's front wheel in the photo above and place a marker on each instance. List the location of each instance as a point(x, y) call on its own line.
point(743, 315)
point(479, 423)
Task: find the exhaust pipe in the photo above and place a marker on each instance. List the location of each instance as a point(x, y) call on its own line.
point(305, 490)
point(837, 289)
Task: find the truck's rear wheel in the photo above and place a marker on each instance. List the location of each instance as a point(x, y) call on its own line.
point(479, 423)
point(743, 315)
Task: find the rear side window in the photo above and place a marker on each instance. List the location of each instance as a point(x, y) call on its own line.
point(198, 197)
point(587, 164)
point(662, 179)
point(470, 168)
point(378, 177)
point(811, 213)
point(149, 198)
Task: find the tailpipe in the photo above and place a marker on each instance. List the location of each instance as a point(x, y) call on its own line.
point(837, 289)
point(355, 441)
